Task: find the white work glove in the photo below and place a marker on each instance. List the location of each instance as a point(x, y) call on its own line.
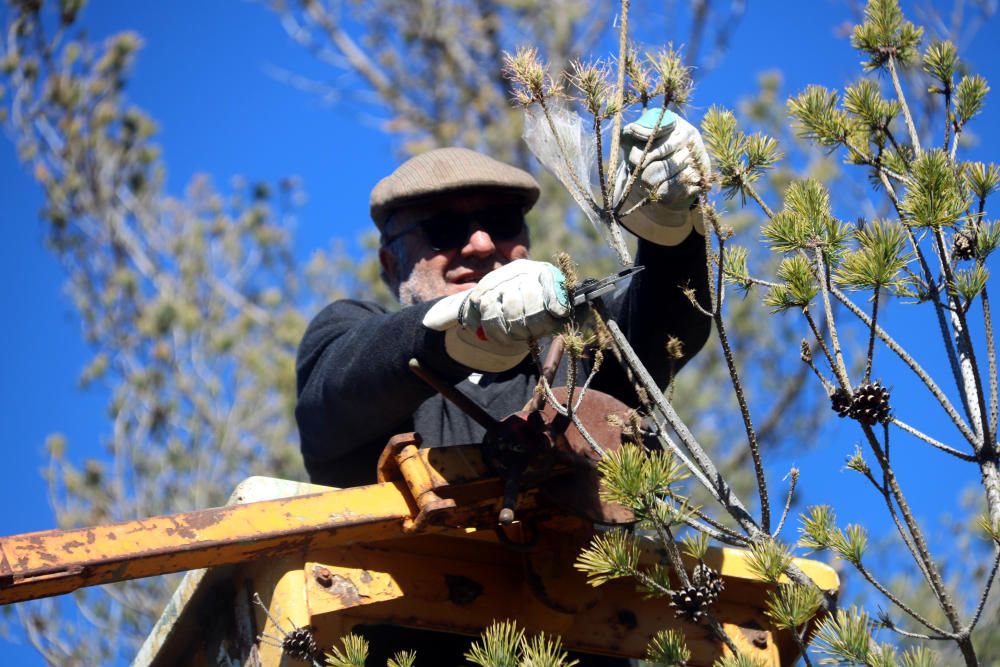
point(671, 172)
point(488, 327)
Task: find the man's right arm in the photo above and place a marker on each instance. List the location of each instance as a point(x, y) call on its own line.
point(354, 385)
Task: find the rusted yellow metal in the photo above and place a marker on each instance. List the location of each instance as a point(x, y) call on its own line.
point(420, 549)
point(53, 562)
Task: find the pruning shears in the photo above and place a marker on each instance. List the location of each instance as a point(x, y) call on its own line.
point(591, 288)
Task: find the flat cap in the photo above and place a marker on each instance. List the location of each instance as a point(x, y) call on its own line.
point(443, 171)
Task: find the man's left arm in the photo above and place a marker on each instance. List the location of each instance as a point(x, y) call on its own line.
point(656, 307)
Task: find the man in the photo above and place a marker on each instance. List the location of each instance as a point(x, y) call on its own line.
point(454, 250)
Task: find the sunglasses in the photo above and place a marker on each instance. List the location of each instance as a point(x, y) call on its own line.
point(451, 230)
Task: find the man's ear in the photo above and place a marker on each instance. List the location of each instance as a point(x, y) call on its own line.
point(390, 269)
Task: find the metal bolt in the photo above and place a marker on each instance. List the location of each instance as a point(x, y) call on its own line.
point(759, 639)
point(323, 576)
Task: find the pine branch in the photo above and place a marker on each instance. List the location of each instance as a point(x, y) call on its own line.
point(991, 356)
point(911, 128)
point(821, 340)
point(637, 171)
point(935, 443)
point(913, 529)
point(972, 387)
point(825, 287)
point(616, 124)
point(715, 295)
point(912, 364)
point(788, 502)
point(986, 592)
point(871, 337)
point(914, 614)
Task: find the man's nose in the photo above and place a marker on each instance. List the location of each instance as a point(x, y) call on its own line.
point(480, 243)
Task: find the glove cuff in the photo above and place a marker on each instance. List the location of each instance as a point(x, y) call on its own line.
point(662, 225)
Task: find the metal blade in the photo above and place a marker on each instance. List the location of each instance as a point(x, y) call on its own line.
point(591, 288)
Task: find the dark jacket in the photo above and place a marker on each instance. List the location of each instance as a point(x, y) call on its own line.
point(356, 391)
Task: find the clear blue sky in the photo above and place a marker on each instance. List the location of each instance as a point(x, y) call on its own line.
point(203, 76)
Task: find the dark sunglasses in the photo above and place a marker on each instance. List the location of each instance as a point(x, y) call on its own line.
point(451, 230)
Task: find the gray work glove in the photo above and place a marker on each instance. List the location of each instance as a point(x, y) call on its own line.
point(488, 327)
point(670, 174)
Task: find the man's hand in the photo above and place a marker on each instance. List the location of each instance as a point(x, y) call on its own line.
point(488, 327)
point(669, 178)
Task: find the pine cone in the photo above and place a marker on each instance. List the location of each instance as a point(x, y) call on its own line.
point(870, 404)
point(964, 244)
point(840, 401)
point(301, 644)
point(689, 604)
point(707, 581)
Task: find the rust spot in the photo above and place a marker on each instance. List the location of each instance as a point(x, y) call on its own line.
point(462, 590)
point(344, 590)
point(91, 537)
point(71, 545)
point(323, 576)
point(755, 635)
point(206, 518)
point(47, 557)
point(111, 535)
point(627, 618)
point(182, 531)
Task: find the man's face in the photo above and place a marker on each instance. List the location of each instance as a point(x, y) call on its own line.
point(418, 272)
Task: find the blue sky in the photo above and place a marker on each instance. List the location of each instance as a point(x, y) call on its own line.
point(203, 75)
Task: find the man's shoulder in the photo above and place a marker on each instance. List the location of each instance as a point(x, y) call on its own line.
point(349, 309)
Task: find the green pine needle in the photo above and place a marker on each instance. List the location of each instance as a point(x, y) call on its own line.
point(991, 529)
point(634, 477)
point(402, 659)
point(354, 654)
point(936, 198)
point(940, 61)
point(865, 101)
point(695, 545)
point(969, 283)
point(987, 239)
point(668, 649)
point(819, 528)
point(806, 222)
point(845, 636)
point(792, 605)
point(879, 260)
point(544, 651)
point(816, 116)
point(798, 287)
point(884, 34)
point(498, 646)
point(734, 267)
point(982, 179)
point(851, 543)
point(655, 582)
point(768, 560)
point(612, 555)
point(919, 656)
point(739, 660)
point(969, 97)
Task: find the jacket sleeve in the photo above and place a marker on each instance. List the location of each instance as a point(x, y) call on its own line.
point(654, 308)
point(354, 385)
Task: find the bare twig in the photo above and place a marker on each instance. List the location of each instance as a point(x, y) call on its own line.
point(911, 128)
point(931, 441)
point(616, 124)
point(788, 501)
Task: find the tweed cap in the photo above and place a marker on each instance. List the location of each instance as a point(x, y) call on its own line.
point(447, 170)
